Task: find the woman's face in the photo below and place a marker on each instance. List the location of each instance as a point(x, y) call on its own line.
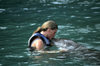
point(51, 33)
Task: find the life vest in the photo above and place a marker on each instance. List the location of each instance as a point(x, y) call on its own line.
point(44, 39)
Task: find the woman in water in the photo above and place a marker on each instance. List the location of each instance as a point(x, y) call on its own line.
point(41, 38)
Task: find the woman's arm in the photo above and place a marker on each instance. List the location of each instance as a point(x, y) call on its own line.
point(38, 44)
point(54, 51)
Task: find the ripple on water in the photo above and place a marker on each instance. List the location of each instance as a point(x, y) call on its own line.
point(65, 26)
point(46, 61)
point(26, 9)
point(19, 26)
point(0, 64)
point(56, 2)
point(87, 17)
point(3, 28)
point(2, 10)
point(54, 59)
point(13, 56)
point(83, 30)
point(97, 26)
point(98, 3)
point(95, 8)
point(68, 62)
point(96, 12)
point(2, 48)
point(32, 24)
point(98, 42)
point(72, 16)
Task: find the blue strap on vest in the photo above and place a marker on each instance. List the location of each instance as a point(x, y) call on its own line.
point(45, 40)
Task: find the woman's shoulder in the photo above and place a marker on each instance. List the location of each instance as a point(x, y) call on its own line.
point(38, 40)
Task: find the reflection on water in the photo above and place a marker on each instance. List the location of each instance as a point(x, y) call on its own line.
point(80, 58)
point(78, 20)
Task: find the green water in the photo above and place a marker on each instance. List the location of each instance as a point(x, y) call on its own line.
point(78, 20)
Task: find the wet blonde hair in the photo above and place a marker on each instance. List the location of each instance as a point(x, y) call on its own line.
point(48, 24)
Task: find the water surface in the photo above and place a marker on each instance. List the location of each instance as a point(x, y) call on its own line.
point(78, 20)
